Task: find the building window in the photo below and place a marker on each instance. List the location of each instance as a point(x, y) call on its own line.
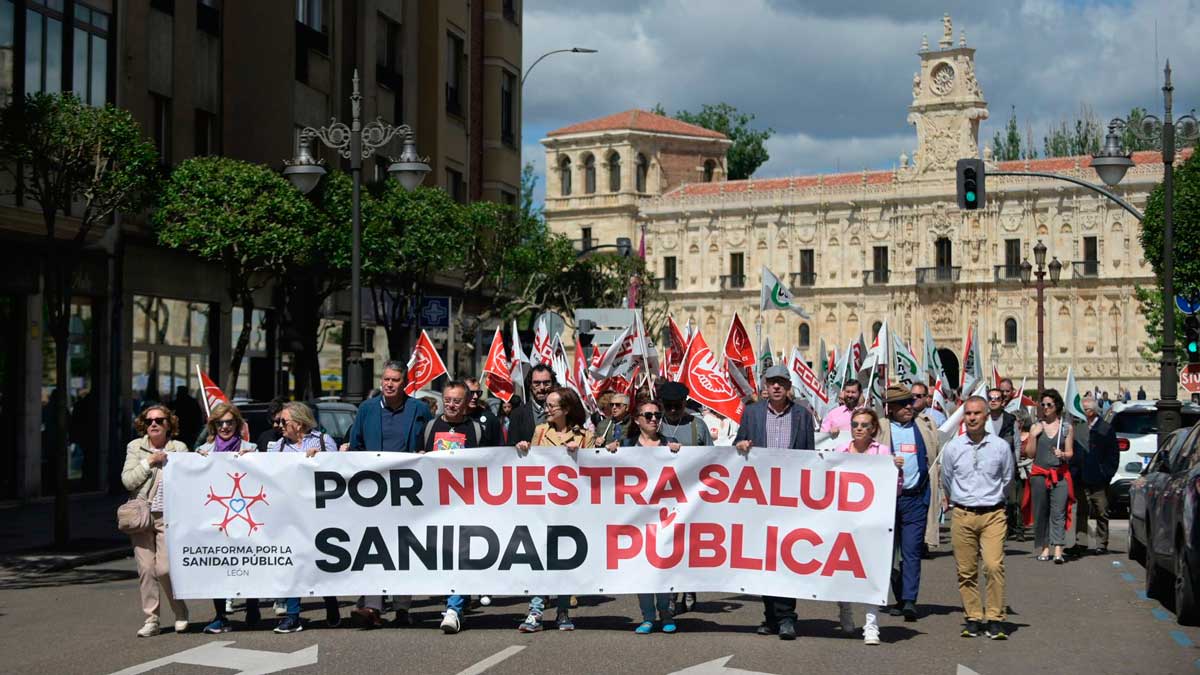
point(880, 268)
point(564, 171)
point(508, 109)
point(614, 172)
point(455, 58)
point(1012, 258)
point(643, 168)
point(89, 73)
point(8, 33)
point(164, 6)
point(388, 68)
point(162, 128)
point(44, 47)
point(670, 273)
point(455, 186)
point(1091, 257)
point(510, 10)
point(1010, 331)
point(311, 13)
point(207, 134)
point(710, 170)
point(805, 335)
point(737, 270)
point(808, 268)
point(945, 260)
point(585, 238)
point(589, 175)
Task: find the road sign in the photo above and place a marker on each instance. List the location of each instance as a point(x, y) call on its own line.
point(435, 312)
point(1188, 305)
point(1189, 378)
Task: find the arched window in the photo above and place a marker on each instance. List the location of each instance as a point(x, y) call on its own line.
point(614, 173)
point(1010, 331)
point(805, 335)
point(643, 168)
point(589, 175)
point(710, 168)
point(564, 168)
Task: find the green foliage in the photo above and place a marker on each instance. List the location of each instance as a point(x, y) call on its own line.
point(1150, 302)
point(1084, 137)
point(749, 150)
point(422, 234)
point(1186, 219)
point(1008, 146)
point(1130, 141)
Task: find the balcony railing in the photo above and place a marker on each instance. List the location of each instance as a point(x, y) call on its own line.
point(1086, 269)
point(667, 283)
point(1007, 273)
point(876, 277)
point(938, 275)
point(804, 278)
point(733, 281)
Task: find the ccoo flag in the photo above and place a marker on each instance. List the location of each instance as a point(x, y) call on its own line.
point(777, 296)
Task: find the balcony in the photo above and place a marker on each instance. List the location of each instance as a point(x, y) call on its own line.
point(667, 283)
point(1086, 269)
point(733, 281)
point(938, 275)
point(1005, 273)
point(876, 277)
point(803, 279)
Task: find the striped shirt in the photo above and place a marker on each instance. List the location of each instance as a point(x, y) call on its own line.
point(779, 427)
point(313, 440)
point(156, 502)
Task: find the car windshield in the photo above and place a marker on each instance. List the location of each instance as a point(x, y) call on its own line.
point(1140, 422)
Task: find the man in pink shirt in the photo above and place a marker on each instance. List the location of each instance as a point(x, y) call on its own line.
point(838, 419)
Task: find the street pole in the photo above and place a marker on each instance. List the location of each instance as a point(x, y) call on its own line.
point(354, 348)
point(1041, 329)
point(1168, 405)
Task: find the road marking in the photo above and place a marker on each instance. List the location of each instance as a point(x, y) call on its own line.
point(963, 670)
point(219, 655)
point(1142, 595)
point(1128, 577)
point(716, 667)
point(490, 661)
point(1160, 613)
point(1181, 638)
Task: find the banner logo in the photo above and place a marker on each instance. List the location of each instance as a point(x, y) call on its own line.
point(237, 505)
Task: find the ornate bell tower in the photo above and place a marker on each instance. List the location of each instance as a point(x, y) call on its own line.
point(947, 105)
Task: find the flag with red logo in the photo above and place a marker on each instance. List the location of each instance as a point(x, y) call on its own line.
point(740, 349)
point(737, 376)
point(995, 376)
point(543, 344)
point(972, 370)
point(212, 394)
point(496, 371)
point(707, 382)
point(424, 366)
point(805, 382)
point(582, 380)
point(519, 364)
point(618, 358)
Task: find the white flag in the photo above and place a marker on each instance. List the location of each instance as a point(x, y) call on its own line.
point(1014, 406)
point(907, 371)
point(953, 425)
point(543, 343)
point(1072, 400)
point(520, 367)
point(618, 358)
point(880, 352)
point(931, 361)
point(972, 370)
point(777, 296)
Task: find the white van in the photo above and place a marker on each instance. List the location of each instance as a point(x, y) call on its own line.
point(1136, 426)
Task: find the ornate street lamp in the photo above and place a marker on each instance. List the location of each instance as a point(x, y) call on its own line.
point(1111, 166)
point(1027, 271)
point(355, 143)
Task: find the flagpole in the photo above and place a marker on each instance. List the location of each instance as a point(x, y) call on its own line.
point(758, 324)
point(203, 394)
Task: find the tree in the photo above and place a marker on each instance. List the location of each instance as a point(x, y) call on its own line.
point(1186, 219)
point(1084, 137)
point(1130, 141)
point(1007, 146)
point(244, 216)
point(749, 150)
point(1150, 302)
point(84, 164)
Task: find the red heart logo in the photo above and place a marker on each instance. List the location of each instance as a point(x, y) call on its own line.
point(665, 517)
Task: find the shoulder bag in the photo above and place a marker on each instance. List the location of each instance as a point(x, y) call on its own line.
point(133, 517)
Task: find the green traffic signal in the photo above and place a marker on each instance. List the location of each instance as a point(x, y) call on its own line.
point(971, 197)
point(1192, 347)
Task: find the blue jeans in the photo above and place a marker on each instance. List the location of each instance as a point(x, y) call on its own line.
point(911, 512)
point(293, 605)
point(649, 601)
point(537, 603)
point(456, 603)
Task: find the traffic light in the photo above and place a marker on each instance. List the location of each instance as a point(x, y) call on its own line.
point(1191, 341)
point(970, 183)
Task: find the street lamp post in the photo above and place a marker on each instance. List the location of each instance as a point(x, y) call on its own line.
point(1027, 270)
point(1111, 165)
point(572, 50)
point(355, 143)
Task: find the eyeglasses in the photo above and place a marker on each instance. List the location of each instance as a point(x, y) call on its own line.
point(474, 393)
point(226, 423)
point(619, 405)
point(907, 403)
point(995, 398)
point(278, 421)
point(151, 421)
point(551, 406)
point(1048, 405)
point(542, 383)
point(452, 401)
point(861, 425)
point(652, 416)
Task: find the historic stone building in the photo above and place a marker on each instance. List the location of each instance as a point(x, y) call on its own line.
point(860, 247)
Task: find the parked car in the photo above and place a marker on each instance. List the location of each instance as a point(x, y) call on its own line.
point(1136, 426)
point(1163, 533)
point(334, 417)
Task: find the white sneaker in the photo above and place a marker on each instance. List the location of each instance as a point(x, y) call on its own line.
point(450, 622)
point(870, 635)
point(149, 629)
point(280, 608)
point(181, 625)
point(229, 605)
point(485, 600)
point(846, 618)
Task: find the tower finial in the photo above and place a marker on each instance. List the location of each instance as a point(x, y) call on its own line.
point(962, 38)
point(947, 40)
point(924, 42)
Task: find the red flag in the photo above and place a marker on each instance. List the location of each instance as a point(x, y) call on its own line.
point(739, 348)
point(424, 366)
point(579, 379)
point(212, 393)
point(496, 370)
point(543, 345)
point(995, 376)
point(707, 382)
point(596, 356)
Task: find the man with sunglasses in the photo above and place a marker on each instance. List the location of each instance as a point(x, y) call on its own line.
point(266, 438)
point(479, 411)
point(611, 425)
point(915, 439)
point(776, 422)
point(923, 404)
point(678, 422)
point(525, 419)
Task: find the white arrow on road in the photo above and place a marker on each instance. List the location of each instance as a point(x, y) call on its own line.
point(716, 667)
point(220, 655)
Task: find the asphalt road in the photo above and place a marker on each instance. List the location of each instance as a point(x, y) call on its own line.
point(1089, 616)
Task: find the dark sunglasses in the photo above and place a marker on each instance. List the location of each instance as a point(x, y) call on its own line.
point(1047, 405)
point(278, 421)
point(652, 416)
point(151, 421)
point(861, 425)
point(226, 423)
point(995, 398)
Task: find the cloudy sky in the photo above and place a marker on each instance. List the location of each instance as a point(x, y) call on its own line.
point(833, 78)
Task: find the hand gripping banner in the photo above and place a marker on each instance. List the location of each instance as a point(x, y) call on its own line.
point(793, 523)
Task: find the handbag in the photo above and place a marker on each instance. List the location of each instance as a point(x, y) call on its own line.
point(133, 517)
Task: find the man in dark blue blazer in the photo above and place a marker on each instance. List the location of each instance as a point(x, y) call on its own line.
point(392, 421)
point(777, 422)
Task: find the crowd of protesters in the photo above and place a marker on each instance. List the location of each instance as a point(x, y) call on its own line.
point(1004, 472)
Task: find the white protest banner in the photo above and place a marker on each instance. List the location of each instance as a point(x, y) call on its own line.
point(789, 523)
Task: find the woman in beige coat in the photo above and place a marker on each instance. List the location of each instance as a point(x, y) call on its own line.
point(142, 476)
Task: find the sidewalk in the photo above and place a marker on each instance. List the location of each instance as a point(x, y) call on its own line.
point(27, 534)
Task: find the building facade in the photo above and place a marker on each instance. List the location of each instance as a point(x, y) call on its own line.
point(238, 79)
point(858, 248)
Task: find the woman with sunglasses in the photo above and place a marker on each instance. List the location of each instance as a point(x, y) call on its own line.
point(1051, 445)
point(563, 428)
point(225, 424)
point(864, 425)
point(646, 432)
point(141, 475)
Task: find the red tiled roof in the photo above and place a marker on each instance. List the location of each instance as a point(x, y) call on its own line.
point(1085, 161)
point(638, 120)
